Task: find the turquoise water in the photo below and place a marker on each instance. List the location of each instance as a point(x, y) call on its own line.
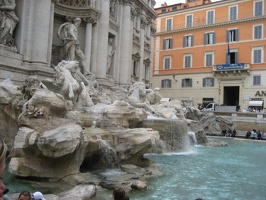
point(235, 172)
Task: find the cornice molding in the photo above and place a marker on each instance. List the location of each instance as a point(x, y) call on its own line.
point(212, 25)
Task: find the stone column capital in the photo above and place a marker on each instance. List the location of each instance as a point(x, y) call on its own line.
point(134, 12)
point(143, 22)
point(153, 29)
point(126, 2)
point(90, 19)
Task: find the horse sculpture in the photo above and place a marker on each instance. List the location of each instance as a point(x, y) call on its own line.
point(137, 97)
point(71, 88)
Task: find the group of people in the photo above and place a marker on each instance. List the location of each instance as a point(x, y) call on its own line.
point(118, 193)
point(229, 133)
point(256, 135)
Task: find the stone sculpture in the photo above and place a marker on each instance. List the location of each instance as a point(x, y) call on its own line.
point(68, 32)
point(110, 54)
point(8, 22)
point(137, 97)
point(72, 87)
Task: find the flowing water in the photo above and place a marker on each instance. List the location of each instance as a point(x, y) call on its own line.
point(235, 172)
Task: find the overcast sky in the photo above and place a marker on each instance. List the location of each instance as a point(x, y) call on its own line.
point(171, 2)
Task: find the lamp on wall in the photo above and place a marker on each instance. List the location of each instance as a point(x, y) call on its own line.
point(174, 78)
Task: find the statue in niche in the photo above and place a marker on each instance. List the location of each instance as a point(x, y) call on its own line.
point(113, 8)
point(110, 54)
point(68, 32)
point(8, 22)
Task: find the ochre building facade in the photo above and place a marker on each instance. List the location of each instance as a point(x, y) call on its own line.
point(212, 52)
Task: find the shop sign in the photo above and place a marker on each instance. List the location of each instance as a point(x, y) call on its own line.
point(260, 93)
point(232, 66)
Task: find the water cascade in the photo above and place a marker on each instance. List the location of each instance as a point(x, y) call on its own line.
point(108, 156)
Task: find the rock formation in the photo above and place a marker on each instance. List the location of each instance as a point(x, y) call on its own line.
point(73, 125)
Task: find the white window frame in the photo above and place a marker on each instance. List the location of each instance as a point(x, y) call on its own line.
point(229, 11)
point(254, 7)
point(253, 79)
point(236, 36)
point(262, 55)
point(187, 20)
point(170, 62)
point(146, 72)
point(189, 41)
point(210, 41)
point(254, 34)
point(209, 82)
point(207, 17)
point(171, 24)
point(205, 58)
point(166, 83)
point(187, 55)
point(168, 43)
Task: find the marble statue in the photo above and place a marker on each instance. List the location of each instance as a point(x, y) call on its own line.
point(72, 87)
point(8, 21)
point(110, 54)
point(68, 32)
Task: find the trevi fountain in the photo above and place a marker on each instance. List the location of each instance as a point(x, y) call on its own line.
point(69, 106)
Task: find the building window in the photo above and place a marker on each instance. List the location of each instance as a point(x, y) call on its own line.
point(257, 55)
point(166, 83)
point(189, 21)
point(208, 82)
point(233, 13)
point(146, 72)
point(209, 38)
point(256, 80)
point(167, 62)
point(168, 24)
point(209, 59)
point(188, 41)
point(136, 22)
point(232, 35)
point(232, 58)
point(258, 8)
point(187, 61)
point(164, 10)
point(168, 43)
point(187, 82)
point(210, 17)
point(174, 8)
point(257, 32)
point(135, 68)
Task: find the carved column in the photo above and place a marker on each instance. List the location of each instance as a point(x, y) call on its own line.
point(88, 41)
point(36, 32)
point(126, 42)
point(143, 23)
point(103, 27)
